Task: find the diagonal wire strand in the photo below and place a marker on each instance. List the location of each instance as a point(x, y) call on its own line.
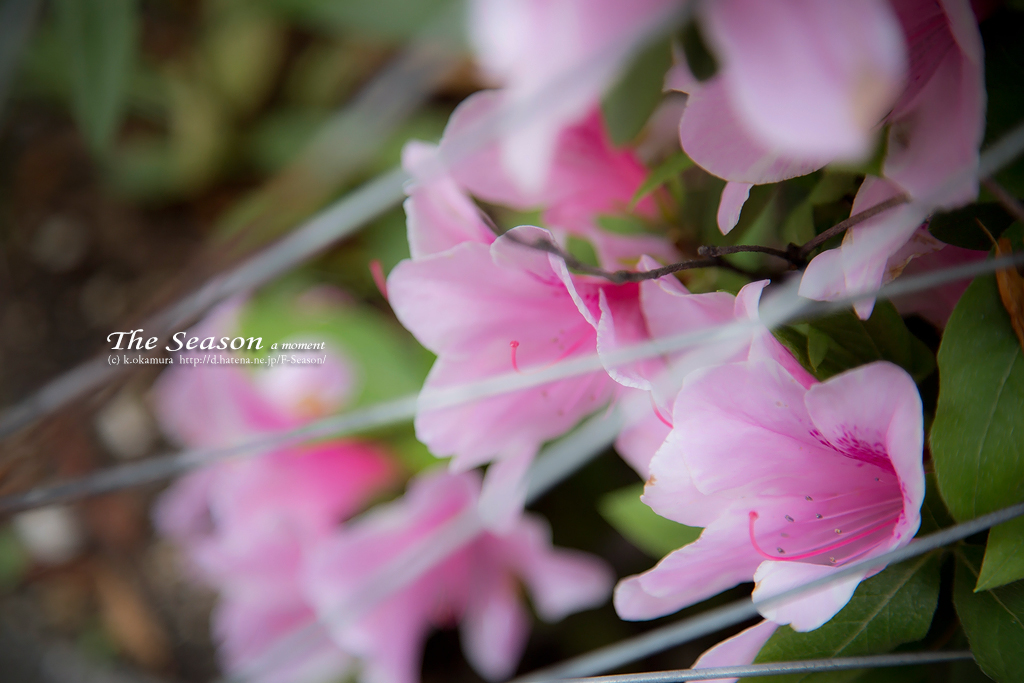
point(806, 666)
point(339, 220)
point(706, 623)
point(778, 310)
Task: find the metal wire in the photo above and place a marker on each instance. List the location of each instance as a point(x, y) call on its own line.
point(338, 221)
point(706, 623)
point(806, 666)
point(777, 310)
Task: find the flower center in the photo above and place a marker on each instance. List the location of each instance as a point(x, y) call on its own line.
point(829, 532)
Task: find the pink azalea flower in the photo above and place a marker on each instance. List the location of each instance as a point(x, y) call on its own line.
point(492, 310)
point(246, 525)
point(245, 528)
point(588, 177)
point(218, 405)
point(739, 650)
point(789, 482)
point(536, 48)
point(799, 85)
point(668, 310)
point(477, 585)
point(936, 305)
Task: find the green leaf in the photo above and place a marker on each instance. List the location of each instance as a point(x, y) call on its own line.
point(1004, 556)
point(671, 167)
point(582, 250)
point(887, 610)
point(838, 343)
point(641, 526)
point(817, 347)
point(625, 225)
point(628, 105)
point(14, 561)
point(699, 57)
point(976, 439)
point(960, 227)
point(993, 620)
point(388, 362)
point(99, 40)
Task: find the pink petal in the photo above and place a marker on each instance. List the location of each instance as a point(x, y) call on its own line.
point(438, 214)
point(809, 611)
point(810, 80)
point(873, 413)
point(535, 47)
point(713, 136)
point(936, 140)
point(469, 305)
point(560, 581)
point(252, 639)
point(739, 650)
point(937, 304)
point(670, 490)
point(721, 558)
point(638, 442)
point(495, 629)
point(733, 197)
point(505, 486)
point(866, 249)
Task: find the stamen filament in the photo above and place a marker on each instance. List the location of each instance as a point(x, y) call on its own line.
point(802, 556)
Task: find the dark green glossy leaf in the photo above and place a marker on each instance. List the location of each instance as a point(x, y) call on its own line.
point(99, 40)
point(641, 526)
point(993, 620)
point(699, 57)
point(960, 226)
point(835, 344)
point(1004, 72)
point(628, 105)
point(888, 609)
point(976, 440)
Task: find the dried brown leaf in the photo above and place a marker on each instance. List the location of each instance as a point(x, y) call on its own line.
point(1011, 290)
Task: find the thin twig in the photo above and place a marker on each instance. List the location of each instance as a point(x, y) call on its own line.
point(1005, 199)
point(840, 228)
point(789, 255)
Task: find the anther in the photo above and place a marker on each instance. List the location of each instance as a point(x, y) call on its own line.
point(788, 518)
point(832, 560)
point(817, 516)
point(808, 498)
point(781, 551)
point(839, 531)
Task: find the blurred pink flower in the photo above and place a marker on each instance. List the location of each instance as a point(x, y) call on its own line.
point(477, 585)
point(587, 178)
point(936, 304)
point(493, 310)
point(788, 481)
point(554, 58)
point(245, 525)
point(219, 405)
point(799, 85)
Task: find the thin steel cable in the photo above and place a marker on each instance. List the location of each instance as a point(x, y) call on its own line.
point(806, 666)
point(706, 623)
point(777, 310)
